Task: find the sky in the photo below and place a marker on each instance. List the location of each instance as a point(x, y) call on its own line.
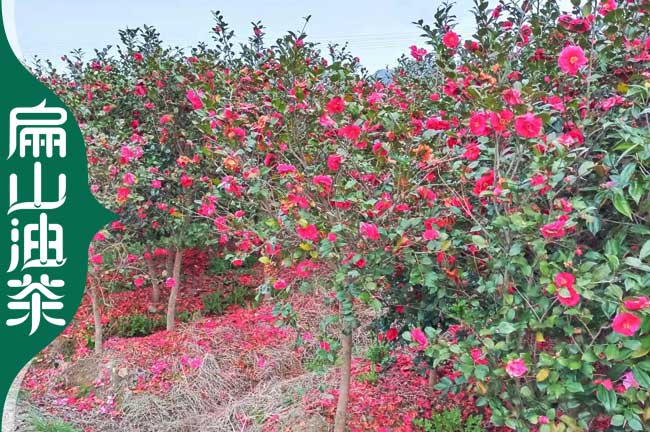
point(379, 31)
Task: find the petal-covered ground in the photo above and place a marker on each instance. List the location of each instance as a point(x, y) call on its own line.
point(242, 370)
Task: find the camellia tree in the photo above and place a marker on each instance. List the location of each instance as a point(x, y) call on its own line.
point(143, 159)
point(317, 168)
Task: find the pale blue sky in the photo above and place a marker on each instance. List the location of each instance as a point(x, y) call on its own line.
point(379, 31)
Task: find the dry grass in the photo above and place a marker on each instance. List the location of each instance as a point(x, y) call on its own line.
point(231, 391)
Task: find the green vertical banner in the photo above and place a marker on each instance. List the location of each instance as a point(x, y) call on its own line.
point(47, 216)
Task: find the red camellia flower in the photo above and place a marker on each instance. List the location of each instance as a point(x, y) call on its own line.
point(571, 59)
point(186, 181)
point(565, 281)
point(369, 231)
point(478, 124)
point(336, 105)
point(555, 229)
point(450, 40)
point(478, 356)
point(528, 125)
point(391, 334)
point(350, 132)
point(310, 232)
point(626, 324)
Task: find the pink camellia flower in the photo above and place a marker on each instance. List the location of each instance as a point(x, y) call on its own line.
point(310, 232)
point(326, 121)
point(97, 259)
point(565, 281)
point(512, 97)
point(369, 231)
point(323, 180)
point(451, 40)
point(170, 282)
point(280, 284)
point(418, 336)
point(138, 282)
point(637, 303)
point(629, 381)
point(626, 324)
point(334, 162)
point(528, 125)
point(286, 169)
point(194, 99)
point(417, 53)
point(516, 367)
point(571, 59)
point(156, 184)
point(430, 234)
point(129, 178)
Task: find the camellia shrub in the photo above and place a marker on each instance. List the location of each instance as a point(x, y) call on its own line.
point(543, 121)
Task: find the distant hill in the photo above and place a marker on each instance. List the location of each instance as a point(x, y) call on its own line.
point(385, 75)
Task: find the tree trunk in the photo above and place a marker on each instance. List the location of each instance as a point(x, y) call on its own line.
point(169, 265)
point(176, 274)
point(433, 379)
point(344, 385)
point(155, 283)
point(97, 318)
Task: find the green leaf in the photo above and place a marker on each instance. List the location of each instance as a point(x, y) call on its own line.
point(645, 250)
point(607, 398)
point(637, 263)
point(479, 241)
point(617, 420)
point(641, 376)
point(585, 168)
point(636, 191)
point(506, 327)
point(622, 205)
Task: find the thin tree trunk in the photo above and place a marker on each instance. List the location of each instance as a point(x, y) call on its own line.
point(344, 385)
point(433, 379)
point(97, 318)
point(155, 283)
point(169, 265)
point(176, 274)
